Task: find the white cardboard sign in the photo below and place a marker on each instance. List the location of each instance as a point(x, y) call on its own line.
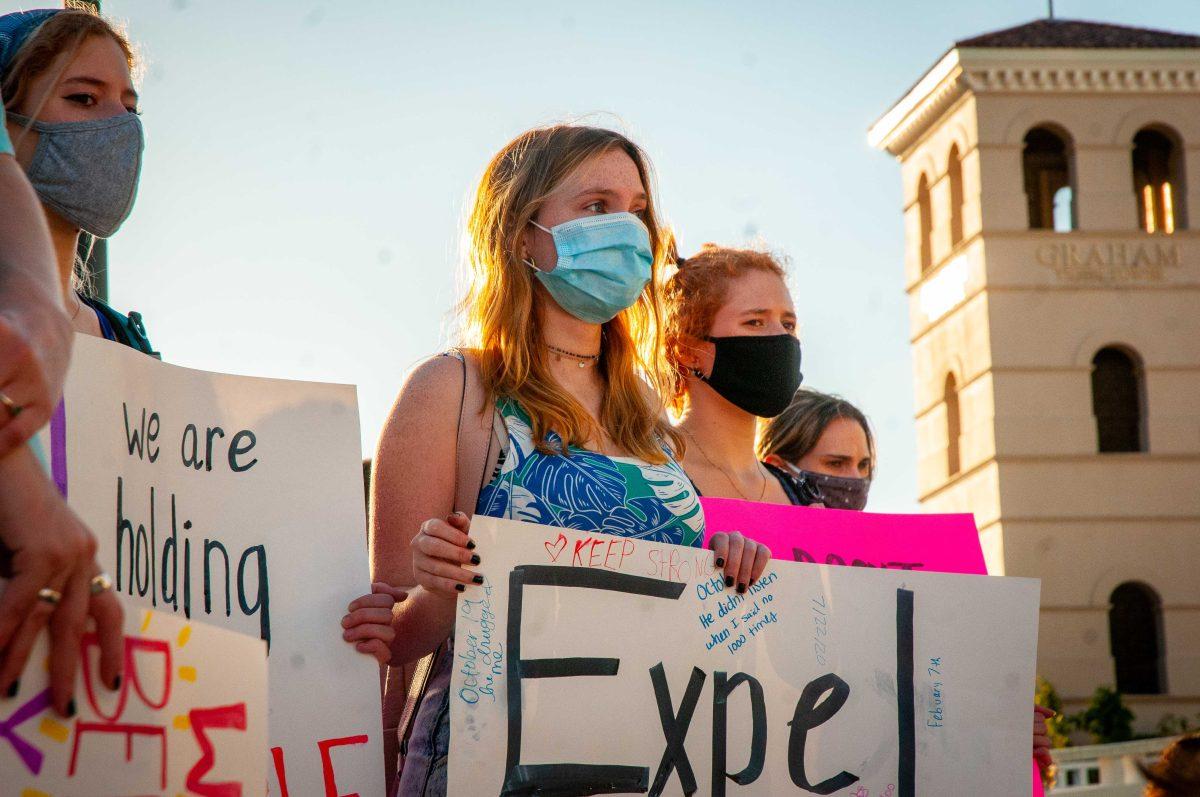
point(588, 663)
point(189, 717)
point(237, 501)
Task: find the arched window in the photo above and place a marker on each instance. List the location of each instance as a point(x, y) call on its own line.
point(1158, 181)
point(953, 426)
point(1047, 163)
point(1117, 400)
point(925, 214)
point(1135, 636)
point(954, 173)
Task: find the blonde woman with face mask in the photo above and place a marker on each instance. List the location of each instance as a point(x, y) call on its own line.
point(549, 412)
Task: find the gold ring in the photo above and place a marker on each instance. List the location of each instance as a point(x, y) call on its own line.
point(14, 409)
point(51, 596)
point(100, 583)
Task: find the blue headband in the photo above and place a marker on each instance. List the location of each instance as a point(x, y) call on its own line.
point(15, 30)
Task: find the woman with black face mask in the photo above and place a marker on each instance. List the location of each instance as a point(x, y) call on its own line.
point(826, 443)
point(731, 337)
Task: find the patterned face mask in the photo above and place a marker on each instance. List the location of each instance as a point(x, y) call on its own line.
point(835, 492)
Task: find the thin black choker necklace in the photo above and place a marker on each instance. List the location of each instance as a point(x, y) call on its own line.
point(584, 359)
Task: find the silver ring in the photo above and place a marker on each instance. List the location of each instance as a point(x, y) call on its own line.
point(50, 596)
point(14, 409)
point(100, 583)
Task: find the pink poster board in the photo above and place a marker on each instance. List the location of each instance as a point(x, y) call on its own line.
point(941, 543)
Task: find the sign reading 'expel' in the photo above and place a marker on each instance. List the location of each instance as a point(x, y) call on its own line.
point(237, 502)
point(592, 664)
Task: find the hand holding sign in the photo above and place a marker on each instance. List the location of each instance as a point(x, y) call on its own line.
point(48, 547)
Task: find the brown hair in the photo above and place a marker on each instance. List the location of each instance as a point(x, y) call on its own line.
point(795, 431)
point(1177, 772)
point(499, 308)
point(62, 33)
point(695, 293)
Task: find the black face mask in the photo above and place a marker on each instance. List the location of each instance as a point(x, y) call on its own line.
point(757, 373)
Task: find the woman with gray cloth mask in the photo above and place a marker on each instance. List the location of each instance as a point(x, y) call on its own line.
point(72, 115)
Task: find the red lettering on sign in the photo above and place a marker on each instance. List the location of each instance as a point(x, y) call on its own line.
point(325, 746)
point(233, 716)
point(280, 770)
point(129, 731)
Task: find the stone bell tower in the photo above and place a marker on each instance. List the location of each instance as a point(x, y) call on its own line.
point(1051, 173)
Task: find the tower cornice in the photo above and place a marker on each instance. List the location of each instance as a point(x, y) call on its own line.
point(988, 70)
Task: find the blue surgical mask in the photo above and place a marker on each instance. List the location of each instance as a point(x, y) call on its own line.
point(603, 265)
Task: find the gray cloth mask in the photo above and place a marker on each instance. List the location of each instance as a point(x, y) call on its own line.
point(835, 492)
point(87, 172)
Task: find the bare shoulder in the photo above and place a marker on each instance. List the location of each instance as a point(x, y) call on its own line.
point(429, 398)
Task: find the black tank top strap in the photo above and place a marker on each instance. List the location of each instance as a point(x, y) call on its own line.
point(790, 488)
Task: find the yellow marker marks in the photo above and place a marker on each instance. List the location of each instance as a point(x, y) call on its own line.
point(146, 622)
point(187, 673)
point(185, 634)
point(182, 723)
point(33, 793)
point(55, 730)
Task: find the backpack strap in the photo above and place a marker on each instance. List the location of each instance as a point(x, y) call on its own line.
point(129, 330)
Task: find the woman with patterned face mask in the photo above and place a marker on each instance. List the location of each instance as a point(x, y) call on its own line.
point(72, 115)
point(825, 443)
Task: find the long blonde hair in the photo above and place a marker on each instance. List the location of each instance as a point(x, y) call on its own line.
point(500, 313)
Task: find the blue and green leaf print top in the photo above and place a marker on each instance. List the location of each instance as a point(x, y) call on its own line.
point(588, 491)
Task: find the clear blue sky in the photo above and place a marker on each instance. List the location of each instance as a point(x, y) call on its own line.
point(307, 165)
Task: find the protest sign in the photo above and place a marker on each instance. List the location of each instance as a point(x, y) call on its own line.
point(587, 661)
point(189, 717)
point(942, 543)
point(237, 501)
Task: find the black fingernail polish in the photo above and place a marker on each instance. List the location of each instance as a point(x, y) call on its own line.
point(116, 683)
point(470, 545)
point(478, 579)
point(13, 688)
point(720, 562)
point(475, 559)
point(741, 588)
point(71, 707)
point(460, 587)
point(728, 581)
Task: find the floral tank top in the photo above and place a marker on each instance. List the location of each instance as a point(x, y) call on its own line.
point(589, 491)
point(586, 491)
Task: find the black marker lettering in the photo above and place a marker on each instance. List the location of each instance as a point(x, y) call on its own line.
point(809, 714)
point(675, 728)
point(566, 778)
point(722, 688)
